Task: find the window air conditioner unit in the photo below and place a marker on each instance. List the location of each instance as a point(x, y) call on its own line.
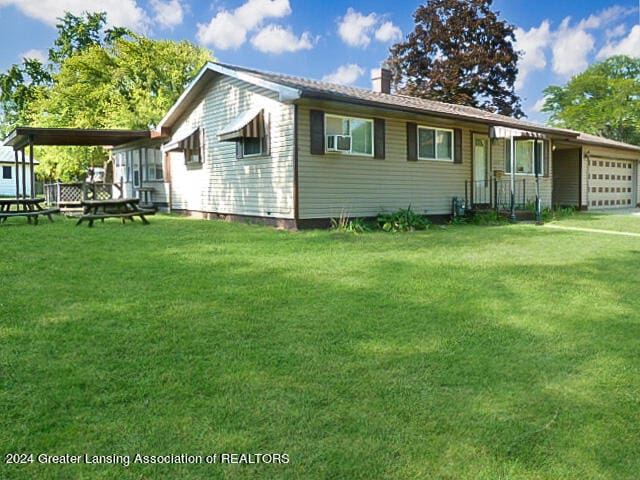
point(339, 143)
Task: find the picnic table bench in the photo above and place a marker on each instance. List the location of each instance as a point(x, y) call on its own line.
point(25, 207)
point(122, 208)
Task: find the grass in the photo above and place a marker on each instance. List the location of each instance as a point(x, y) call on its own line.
point(462, 353)
point(618, 223)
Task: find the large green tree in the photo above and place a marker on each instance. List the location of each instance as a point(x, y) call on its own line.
point(603, 100)
point(460, 53)
point(20, 86)
point(96, 78)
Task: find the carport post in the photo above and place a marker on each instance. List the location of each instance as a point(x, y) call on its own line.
point(15, 153)
point(24, 174)
point(33, 173)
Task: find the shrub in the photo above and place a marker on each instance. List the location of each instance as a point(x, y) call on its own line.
point(346, 224)
point(489, 218)
point(403, 220)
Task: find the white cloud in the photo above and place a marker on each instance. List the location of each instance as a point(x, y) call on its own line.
point(228, 29)
point(537, 107)
point(571, 48)
point(616, 32)
point(605, 17)
point(168, 14)
point(344, 75)
point(532, 44)
point(629, 45)
point(355, 28)
point(388, 32)
point(276, 39)
point(35, 54)
point(123, 13)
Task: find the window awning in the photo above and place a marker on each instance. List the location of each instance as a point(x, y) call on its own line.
point(189, 141)
point(249, 124)
point(506, 132)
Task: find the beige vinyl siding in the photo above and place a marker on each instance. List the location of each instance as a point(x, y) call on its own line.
point(566, 177)
point(498, 151)
point(253, 186)
point(334, 184)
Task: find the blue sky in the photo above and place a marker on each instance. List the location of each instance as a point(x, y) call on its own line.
point(339, 40)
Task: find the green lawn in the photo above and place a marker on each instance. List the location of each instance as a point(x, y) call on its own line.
point(461, 353)
point(619, 223)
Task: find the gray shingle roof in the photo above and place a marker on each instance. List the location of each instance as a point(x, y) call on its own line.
point(595, 140)
point(7, 156)
point(318, 89)
point(294, 88)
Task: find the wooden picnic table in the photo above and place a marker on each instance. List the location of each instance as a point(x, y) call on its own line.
point(25, 207)
point(122, 208)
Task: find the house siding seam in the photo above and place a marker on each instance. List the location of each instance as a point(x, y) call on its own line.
point(251, 186)
point(335, 184)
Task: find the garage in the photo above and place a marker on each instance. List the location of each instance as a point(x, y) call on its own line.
point(611, 183)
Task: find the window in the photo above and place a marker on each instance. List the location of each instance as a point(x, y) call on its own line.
point(136, 167)
point(352, 136)
point(435, 144)
point(192, 144)
point(525, 156)
point(251, 146)
point(154, 164)
point(6, 173)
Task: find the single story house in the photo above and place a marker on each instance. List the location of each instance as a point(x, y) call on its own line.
point(8, 173)
point(246, 144)
point(139, 168)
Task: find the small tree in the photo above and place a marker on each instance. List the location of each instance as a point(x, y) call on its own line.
point(460, 53)
point(603, 100)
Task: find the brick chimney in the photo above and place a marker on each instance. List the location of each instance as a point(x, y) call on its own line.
point(381, 80)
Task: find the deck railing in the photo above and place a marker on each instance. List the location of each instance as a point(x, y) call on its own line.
point(495, 194)
point(71, 194)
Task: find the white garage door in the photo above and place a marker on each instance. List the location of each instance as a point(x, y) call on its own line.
point(611, 184)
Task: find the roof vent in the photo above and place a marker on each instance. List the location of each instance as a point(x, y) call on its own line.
point(381, 80)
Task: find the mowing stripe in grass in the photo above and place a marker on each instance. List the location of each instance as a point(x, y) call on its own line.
point(593, 230)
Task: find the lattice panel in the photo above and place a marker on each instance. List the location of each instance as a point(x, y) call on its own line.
point(70, 193)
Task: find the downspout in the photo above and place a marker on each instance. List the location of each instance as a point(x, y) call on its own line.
point(580, 167)
point(587, 156)
point(296, 192)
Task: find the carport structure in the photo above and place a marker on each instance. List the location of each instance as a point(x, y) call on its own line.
point(23, 138)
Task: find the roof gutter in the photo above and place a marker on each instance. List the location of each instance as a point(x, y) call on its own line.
point(451, 116)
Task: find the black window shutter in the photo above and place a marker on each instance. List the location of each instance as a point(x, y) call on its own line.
point(507, 155)
point(457, 145)
point(378, 138)
point(317, 132)
point(412, 142)
point(239, 148)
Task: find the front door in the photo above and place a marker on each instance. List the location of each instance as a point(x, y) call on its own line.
point(481, 185)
